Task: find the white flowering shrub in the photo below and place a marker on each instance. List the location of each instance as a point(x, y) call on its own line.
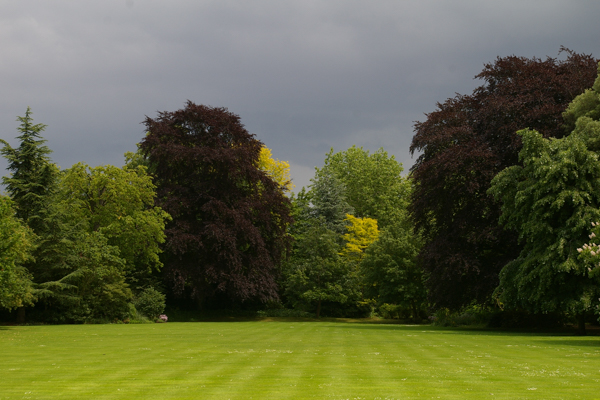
point(590, 252)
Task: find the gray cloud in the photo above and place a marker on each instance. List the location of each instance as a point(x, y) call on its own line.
point(304, 76)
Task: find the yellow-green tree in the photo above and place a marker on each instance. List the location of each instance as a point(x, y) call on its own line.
point(277, 170)
point(361, 233)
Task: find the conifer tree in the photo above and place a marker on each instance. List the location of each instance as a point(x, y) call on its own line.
point(33, 173)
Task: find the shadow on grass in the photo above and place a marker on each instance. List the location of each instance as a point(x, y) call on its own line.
point(567, 332)
point(594, 341)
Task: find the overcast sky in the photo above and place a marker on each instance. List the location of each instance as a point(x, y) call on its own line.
point(304, 76)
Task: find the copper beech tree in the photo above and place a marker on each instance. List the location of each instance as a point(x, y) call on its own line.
point(228, 233)
point(463, 144)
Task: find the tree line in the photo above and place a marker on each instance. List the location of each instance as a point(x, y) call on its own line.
point(497, 212)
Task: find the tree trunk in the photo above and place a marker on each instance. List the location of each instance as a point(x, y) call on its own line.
point(200, 303)
point(415, 314)
point(21, 315)
point(319, 308)
point(581, 324)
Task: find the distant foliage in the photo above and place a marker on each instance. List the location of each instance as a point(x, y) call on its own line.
point(316, 274)
point(151, 303)
point(119, 204)
point(285, 312)
point(362, 232)
point(373, 183)
point(328, 202)
point(391, 272)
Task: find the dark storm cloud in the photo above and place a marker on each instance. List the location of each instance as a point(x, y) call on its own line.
point(304, 76)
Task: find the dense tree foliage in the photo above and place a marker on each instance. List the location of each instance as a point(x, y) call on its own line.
point(373, 185)
point(101, 237)
point(317, 273)
point(119, 204)
point(328, 202)
point(498, 208)
point(551, 201)
point(463, 145)
point(228, 233)
point(32, 172)
point(362, 232)
point(391, 270)
point(277, 170)
point(79, 238)
point(16, 245)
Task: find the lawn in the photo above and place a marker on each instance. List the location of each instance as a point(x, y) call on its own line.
point(293, 360)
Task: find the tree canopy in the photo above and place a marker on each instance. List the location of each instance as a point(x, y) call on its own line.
point(362, 232)
point(119, 204)
point(550, 201)
point(32, 172)
point(463, 145)
point(228, 233)
point(373, 184)
point(278, 170)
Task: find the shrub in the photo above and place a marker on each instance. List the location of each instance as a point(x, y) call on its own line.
point(150, 302)
point(285, 312)
point(468, 316)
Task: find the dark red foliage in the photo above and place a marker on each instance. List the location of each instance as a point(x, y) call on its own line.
point(228, 233)
point(463, 145)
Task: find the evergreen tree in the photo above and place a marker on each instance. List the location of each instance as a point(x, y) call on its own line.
point(329, 201)
point(33, 173)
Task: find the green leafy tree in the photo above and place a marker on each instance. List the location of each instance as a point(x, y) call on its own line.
point(348, 196)
point(32, 179)
point(373, 183)
point(119, 204)
point(316, 273)
point(150, 302)
point(102, 236)
point(550, 201)
point(16, 245)
point(95, 290)
point(390, 268)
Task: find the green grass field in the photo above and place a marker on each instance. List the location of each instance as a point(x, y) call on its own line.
point(293, 360)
